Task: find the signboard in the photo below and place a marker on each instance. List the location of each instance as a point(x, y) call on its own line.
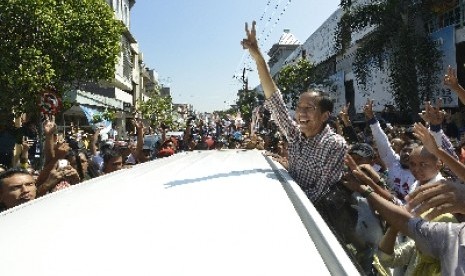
point(445, 41)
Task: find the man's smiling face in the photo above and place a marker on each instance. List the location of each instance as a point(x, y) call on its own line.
point(309, 116)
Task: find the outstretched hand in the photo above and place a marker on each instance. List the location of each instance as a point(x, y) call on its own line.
point(444, 196)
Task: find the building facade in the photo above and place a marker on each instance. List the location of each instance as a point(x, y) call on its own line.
point(133, 81)
point(447, 30)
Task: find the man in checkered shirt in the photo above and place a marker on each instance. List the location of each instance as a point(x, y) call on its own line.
point(316, 153)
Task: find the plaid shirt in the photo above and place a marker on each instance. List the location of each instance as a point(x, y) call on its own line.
point(315, 163)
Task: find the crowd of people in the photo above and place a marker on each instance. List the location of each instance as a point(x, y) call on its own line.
point(406, 184)
point(75, 156)
point(393, 195)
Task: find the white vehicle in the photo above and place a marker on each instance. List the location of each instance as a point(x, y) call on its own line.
point(227, 212)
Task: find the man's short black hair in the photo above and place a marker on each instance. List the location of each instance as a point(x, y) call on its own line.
point(110, 154)
point(10, 172)
point(325, 103)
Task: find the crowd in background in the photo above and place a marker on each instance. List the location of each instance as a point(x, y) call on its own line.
point(393, 161)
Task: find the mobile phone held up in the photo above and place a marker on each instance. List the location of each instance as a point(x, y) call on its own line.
point(62, 163)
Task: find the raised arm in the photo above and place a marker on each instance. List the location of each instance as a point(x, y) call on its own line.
point(348, 129)
point(140, 140)
point(93, 142)
point(250, 43)
point(49, 130)
point(385, 151)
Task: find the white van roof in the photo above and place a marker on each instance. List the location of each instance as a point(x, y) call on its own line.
point(227, 212)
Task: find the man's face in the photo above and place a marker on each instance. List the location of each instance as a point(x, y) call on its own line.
point(17, 189)
point(114, 164)
point(309, 116)
point(423, 166)
point(405, 155)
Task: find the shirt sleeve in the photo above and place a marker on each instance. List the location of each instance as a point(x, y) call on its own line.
point(443, 141)
point(334, 164)
point(431, 238)
point(282, 117)
point(386, 153)
point(401, 256)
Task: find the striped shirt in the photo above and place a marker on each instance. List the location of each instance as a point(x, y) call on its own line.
point(315, 163)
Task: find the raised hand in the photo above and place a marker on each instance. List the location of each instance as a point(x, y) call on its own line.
point(138, 124)
point(422, 133)
point(49, 127)
point(433, 115)
point(368, 110)
point(250, 42)
point(344, 114)
point(450, 79)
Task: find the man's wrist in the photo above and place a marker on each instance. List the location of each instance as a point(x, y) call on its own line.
point(366, 192)
point(435, 128)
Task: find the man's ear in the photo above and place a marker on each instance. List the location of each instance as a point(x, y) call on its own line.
point(326, 116)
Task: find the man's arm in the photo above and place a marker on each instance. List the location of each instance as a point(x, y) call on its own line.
point(442, 197)
point(386, 153)
point(140, 140)
point(396, 216)
point(422, 133)
point(250, 43)
point(279, 110)
point(49, 143)
point(94, 140)
point(348, 129)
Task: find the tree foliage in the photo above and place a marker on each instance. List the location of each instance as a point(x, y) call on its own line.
point(246, 102)
point(399, 40)
point(293, 79)
point(54, 42)
point(157, 110)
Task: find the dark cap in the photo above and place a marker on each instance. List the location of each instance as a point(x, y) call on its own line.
point(363, 150)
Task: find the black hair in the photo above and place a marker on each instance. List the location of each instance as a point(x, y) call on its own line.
point(110, 154)
point(324, 101)
point(10, 172)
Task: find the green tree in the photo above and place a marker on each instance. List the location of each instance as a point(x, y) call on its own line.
point(246, 102)
point(157, 110)
point(54, 42)
point(293, 79)
point(399, 42)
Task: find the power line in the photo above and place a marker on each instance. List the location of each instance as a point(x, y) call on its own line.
point(245, 61)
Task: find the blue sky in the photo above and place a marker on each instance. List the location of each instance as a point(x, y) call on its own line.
point(195, 45)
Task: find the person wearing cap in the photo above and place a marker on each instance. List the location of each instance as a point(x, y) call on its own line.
point(362, 153)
